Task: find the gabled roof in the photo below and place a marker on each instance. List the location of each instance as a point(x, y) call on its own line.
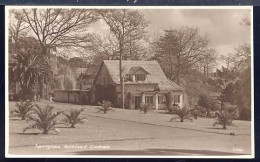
point(155, 73)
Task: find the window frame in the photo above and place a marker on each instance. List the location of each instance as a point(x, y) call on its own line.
point(178, 99)
point(138, 76)
point(161, 99)
point(149, 100)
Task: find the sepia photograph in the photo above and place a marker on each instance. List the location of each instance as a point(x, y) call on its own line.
point(129, 81)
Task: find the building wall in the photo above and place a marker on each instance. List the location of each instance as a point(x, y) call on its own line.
point(142, 90)
point(103, 77)
point(182, 98)
point(103, 87)
point(69, 96)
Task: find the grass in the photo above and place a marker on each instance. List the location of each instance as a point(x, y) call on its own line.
point(154, 117)
point(95, 130)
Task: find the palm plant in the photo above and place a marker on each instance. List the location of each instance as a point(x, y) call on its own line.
point(105, 106)
point(145, 107)
point(43, 119)
point(224, 118)
point(181, 113)
point(29, 70)
point(73, 117)
point(23, 109)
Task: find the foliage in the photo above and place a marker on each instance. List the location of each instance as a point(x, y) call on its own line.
point(179, 49)
point(145, 107)
point(73, 117)
point(242, 57)
point(223, 84)
point(242, 94)
point(23, 109)
point(195, 113)
point(43, 119)
point(105, 106)
point(58, 28)
point(224, 118)
point(28, 67)
point(207, 103)
point(243, 87)
point(181, 113)
point(234, 87)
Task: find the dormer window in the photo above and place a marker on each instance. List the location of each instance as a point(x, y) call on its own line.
point(127, 78)
point(137, 73)
point(139, 77)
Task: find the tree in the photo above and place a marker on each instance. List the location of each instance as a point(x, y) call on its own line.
point(59, 28)
point(105, 106)
point(127, 26)
point(228, 59)
point(207, 103)
point(224, 118)
point(43, 118)
point(73, 117)
point(18, 30)
point(243, 86)
point(53, 29)
point(242, 57)
point(208, 62)
point(28, 67)
point(223, 84)
point(103, 48)
point(179, 49)
point(23, 109)
point(181, 113)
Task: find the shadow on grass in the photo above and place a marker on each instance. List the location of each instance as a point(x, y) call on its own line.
point(28, 133)
point(33, 133)
point(215, 128)
point(156, 152)
point(163, 112)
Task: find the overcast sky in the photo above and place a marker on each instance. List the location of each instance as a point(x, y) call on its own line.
point(223, 26)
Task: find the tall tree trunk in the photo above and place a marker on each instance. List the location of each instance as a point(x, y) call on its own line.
point(204, 73)
point(207, 71)
point(179, 70)
point(121, 77)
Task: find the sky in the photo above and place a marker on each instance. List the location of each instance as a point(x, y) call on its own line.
point(223, 26)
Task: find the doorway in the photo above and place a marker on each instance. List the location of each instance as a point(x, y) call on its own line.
point(137, 102)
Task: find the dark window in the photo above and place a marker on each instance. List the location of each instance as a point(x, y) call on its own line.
point(139, 77)
point(149, 99)
point(177, 98)
point(161, 99)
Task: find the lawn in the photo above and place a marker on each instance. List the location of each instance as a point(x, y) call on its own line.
point(113, 127)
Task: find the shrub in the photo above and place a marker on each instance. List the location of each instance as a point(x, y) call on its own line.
point(25, 95)
point(23, 109)
point(43, 119)
point(245, 114)
point(145, 107)
point(169, 110)
point(195, 113)
point(181, 113)
point(207, 103)
point(105, 106)
point(224, 118)
point(73, 117)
